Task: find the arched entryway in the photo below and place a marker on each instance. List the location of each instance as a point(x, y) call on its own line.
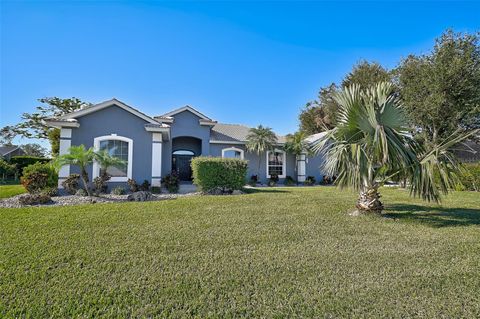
point(184, 148)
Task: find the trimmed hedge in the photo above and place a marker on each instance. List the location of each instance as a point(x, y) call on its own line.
point(213, 174)
point(24, 161)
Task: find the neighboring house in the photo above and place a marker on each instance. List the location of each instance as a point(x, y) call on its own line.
point(468, 152)
point(8, 151)
point(154, 146)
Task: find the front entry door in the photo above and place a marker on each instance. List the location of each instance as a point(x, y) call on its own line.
point(181, 163)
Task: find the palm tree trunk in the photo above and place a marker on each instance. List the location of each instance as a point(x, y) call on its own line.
point(369, 202)
point(84, 175)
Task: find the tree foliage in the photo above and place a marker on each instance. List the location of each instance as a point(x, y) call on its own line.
point(371, 143)
point(441, 90)
point(34, 149)
point(320, 115)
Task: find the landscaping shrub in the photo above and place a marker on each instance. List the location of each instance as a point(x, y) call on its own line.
point(309, 181)
point(34, 199)
point(145, 186)
point(171, 182)
point(470, 179)
point(133, 185)
point(23, 161)
point(7, 170)
point(72, 183)
point(289, 181)
point(253, 180)
point(273, 180)
point(156, 190)
point(38, 177)
point(100, 185)
point(211, 174)
point(119, 190)
point(81, 192)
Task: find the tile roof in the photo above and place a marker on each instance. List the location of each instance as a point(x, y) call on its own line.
point(233, 133)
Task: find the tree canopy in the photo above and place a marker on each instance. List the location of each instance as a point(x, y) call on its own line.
point(441, 89)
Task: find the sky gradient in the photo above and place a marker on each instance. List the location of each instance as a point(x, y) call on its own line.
point(248, 63)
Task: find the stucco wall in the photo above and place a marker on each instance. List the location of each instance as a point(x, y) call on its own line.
point(185, 124)
point(115, 120)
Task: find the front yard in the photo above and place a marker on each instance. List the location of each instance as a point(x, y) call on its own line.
point(274, 253)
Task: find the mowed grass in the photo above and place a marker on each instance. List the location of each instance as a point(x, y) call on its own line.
point(11, 190)
point(285, 252)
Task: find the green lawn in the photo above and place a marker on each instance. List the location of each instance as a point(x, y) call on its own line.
point(11, 190)
point(282, 252)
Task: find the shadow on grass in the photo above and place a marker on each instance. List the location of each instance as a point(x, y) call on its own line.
point(434, 216)
point(264, 190)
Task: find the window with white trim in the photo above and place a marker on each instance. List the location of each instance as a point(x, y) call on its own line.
point(276, 163)
point(232, 152)
point(117, 146)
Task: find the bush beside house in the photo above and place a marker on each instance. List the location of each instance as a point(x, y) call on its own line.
point(40, 178)
point(219, 175)
point(470, 178)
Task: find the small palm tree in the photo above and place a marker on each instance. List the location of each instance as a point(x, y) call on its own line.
point(297, 145)
point(371, 143)
point(259, 140)
point(105, 160)
point(78, 155)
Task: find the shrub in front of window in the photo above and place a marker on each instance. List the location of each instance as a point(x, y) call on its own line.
point(171, 182)
point(39, 177)
point(309, 181)
point(100, 185)
point(72, 183)
point(273, 180)
point(133, 185)
point(253, 180)
point(119, 190)
point(212, 174)
point(145, 186)
point(289, 181)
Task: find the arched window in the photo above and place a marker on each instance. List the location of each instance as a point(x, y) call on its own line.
point(183, 152)
point(118, 146)
point(232, 152)
point(276, 163)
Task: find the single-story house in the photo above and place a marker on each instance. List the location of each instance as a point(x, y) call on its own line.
point(155, 146)
point(8, 151)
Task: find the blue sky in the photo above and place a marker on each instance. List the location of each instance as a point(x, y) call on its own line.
point(237, 62)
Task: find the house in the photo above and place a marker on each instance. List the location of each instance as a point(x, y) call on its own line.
point(8, 151)
point(155, 146)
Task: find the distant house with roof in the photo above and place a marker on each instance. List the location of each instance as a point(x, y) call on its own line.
point(155, 146)
point(8, 151)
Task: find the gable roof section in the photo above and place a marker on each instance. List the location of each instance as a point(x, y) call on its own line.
point(186, 108)
point(7, 149)
point(103, 105)
point(233, 133)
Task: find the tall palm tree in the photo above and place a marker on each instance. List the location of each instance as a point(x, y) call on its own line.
point(78, 155)
point(297, 145)
point(259, 140)
point(371, 143)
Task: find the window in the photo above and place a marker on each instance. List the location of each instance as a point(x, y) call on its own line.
point(232, 152)
point(120, 147)
point(276, 163)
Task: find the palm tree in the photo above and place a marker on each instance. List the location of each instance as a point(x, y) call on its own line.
point(78, 155)
point(259, 140)
point(297, 145)
point(105, 160)
point(371, 143)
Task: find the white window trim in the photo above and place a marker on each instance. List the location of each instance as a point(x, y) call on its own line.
point(96, 146)
point(284, 164)
point(233, 149)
